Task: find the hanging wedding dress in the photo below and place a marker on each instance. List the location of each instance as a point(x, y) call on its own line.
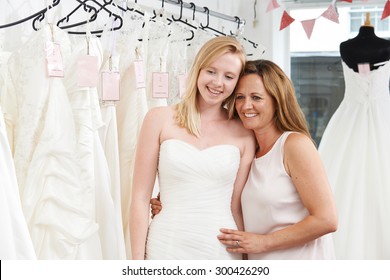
point(95, 172)
point(58, 205)
point(157, 53)
point(355, 150)
point(178, 53)
point(15, 240)
point(132, 107)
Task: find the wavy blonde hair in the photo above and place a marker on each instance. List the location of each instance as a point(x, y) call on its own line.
point(187, 111)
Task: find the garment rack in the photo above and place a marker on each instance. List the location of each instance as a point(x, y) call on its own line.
point(241, 22)
point(205, 10)
point(195, 8)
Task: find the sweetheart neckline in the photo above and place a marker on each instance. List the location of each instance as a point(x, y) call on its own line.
point(196, 148)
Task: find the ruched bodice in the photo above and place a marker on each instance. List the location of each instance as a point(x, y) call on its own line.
point(196, 188)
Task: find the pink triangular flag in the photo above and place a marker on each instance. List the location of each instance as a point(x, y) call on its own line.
point(272, 5)
point(386, 10)
point(308, 25)
point(286, 20)
point(331, 14)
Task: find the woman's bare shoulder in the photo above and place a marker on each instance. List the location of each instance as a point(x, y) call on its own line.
point(160, 113)
point(238, 128)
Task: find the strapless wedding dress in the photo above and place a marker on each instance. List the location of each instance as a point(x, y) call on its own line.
point(196, 189)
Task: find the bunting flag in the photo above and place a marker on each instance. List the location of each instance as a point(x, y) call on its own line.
point(386, 10)
point(272, 5)
point(331, 14)
point(286, 20)
point(308, 26)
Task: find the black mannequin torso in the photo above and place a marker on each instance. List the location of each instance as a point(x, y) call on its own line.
point(366, 47)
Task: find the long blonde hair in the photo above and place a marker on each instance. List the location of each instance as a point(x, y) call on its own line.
point(288, 115)
point(187, 111)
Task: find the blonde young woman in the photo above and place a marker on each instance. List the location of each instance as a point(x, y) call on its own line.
point(201, 155)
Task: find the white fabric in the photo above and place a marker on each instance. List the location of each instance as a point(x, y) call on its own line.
point(196, 190)
point(57, 203)
point(177, 59)
point(15, 240)
point(131, 109)
point(109, 139)
point(94, 167)
point(270, 202)
point(356, 153)
point(157, 52)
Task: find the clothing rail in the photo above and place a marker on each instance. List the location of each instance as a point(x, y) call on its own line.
point(205, 10)
point(241, 22)
point(186, 5)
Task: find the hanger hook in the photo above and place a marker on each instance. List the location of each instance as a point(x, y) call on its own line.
point(181, 11)
point(240, 26)
point(207, 11)
point(193, 6)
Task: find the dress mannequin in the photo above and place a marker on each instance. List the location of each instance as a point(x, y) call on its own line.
point(354, 149)
point(366, 47)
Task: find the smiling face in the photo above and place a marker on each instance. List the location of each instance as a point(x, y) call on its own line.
point(217, 81)
point(254, 105)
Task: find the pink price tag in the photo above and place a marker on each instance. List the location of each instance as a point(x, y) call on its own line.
point(182, 84)
point(139, 71)
point(110, 86)
point(87, 71)
point(160, 85)
point(55, 66)
point(364, 68)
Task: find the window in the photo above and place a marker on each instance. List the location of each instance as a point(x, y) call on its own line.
point(358, 16)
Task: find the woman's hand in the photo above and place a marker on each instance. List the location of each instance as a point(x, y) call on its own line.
point(155, 206)
point(241, 242)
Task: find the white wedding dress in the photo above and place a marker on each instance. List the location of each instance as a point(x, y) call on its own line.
point(15, 240)
point(58, 205)
point(196, 189)
point(94, 168)
point(355, 149)
point(157, 56)
point(131, 109)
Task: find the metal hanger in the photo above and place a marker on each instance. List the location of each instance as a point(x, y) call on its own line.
point(89, 8)
point(38, 15)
